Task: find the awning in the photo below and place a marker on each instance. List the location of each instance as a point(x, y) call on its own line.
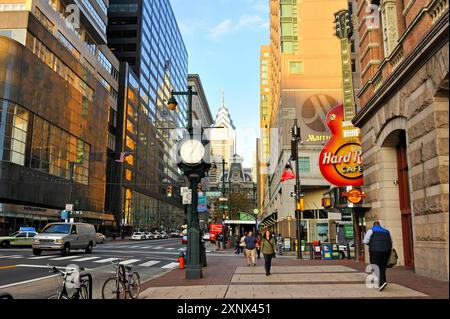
point(270, 220)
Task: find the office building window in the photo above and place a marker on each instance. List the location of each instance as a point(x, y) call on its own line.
point(304, 164)
point(296, 67)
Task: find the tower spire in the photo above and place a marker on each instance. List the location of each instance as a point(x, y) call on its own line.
point(223, 98)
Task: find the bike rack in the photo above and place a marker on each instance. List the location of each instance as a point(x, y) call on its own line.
point(89, 277)
point(6, 296)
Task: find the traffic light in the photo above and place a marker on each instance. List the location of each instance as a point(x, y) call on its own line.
point(301, 205)
point(169, 191)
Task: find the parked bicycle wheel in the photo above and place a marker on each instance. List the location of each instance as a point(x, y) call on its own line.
point(113, 288)
point(135, 285)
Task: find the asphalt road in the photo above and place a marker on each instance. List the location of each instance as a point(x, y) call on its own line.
point(27, 276)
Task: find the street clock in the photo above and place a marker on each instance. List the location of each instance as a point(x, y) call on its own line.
point(192, 151)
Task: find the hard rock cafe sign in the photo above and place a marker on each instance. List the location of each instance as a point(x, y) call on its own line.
point(340, 160)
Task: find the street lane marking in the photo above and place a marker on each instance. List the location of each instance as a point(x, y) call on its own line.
point(158, 247)
point(150, 263)
point(171, 265)
point(12, 256)
point(7, 267)
point(103, 261)
point(66, 257)
point(170, 248)
point(129, 261)
point(42, 257)
point(86, 258)
point(145, 247)
point(135, 246)
point(26, 281)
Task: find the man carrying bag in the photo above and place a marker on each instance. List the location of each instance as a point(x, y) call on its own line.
point(380, 249)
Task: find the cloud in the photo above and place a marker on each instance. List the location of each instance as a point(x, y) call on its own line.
point(221, 29)
point(253, 21)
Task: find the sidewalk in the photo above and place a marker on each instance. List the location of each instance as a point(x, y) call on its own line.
point(230, 277)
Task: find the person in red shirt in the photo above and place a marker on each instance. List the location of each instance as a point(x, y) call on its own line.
point(258, 245)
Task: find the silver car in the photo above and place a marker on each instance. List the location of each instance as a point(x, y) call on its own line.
point(65, 237)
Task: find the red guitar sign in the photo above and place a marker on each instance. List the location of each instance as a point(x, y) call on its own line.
point(340, 160)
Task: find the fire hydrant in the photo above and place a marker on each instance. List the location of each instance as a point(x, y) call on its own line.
point(181, 260)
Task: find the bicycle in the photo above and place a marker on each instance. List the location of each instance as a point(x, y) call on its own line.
point(81, 288)
point(124, 282)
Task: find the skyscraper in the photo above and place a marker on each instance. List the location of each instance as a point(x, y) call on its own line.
point(145, 37)
point(58, 83)
point(305, 82)
point(223, 139)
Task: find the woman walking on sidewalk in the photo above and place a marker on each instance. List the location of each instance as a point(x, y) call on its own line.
point(268, 245)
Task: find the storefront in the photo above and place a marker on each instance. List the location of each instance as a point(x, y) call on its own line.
point(12, 217)
point(346, 208)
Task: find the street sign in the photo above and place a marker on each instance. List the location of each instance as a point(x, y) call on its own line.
point(187, 198)
point(64, 214)
point(69, 207)
point(202, 204)
point(184, 190)
point(223, 199)
point(256, 211)
point(223, 206)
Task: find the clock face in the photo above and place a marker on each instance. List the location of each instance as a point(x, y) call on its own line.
point(192, 151)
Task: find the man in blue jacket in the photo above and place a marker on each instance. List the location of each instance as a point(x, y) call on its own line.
point(380, 246)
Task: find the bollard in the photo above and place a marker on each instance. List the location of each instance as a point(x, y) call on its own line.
point(311, 251)
point(348, 252)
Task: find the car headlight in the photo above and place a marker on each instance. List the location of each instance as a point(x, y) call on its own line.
point(35, 241)
point(59, 241)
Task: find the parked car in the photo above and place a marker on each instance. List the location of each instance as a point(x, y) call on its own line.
point(164, 235)
point(175, 234)
point(138, 236)
point(65, 237)
point(207, 236)
point(148, 235)
point(100, 238)
point(23, 237)
point(156, 235)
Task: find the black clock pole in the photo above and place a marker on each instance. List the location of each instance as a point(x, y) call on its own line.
point(194, 173)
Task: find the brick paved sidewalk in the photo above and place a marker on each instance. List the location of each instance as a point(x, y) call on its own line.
point(229, 277)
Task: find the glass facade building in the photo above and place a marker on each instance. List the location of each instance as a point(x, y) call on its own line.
point(58, 87)
point(145, 38)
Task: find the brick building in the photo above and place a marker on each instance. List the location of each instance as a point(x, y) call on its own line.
point(404, 122)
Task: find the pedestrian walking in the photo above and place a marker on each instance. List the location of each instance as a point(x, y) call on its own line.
point(250, 248)
point(268, 249)
point(237, 243)
point(258, 245)
point(242, 243)
point(280, 244)
point(380, 246)
point(218, 241)
point(221, 240)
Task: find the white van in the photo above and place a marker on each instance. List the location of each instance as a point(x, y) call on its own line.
point(65, 237)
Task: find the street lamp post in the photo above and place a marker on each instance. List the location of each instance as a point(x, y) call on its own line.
point(294, 149)
point(223, 205)
point(194, 169)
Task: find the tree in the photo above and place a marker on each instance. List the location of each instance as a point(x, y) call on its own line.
point(239, 202)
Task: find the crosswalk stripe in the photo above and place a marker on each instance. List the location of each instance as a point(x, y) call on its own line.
point(102, 261)
point(171, 265)
point(135, 246)
point(12, 256)
point(159, 247)
point(170, 248)
point(149, 263)
point(86, 258)
point(65, 257)
point(145, 247)
point(42, 257)
point(129, 261)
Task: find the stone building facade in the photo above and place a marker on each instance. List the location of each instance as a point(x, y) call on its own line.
point(405, 132)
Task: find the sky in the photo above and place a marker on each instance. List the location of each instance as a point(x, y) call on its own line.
point(223, 39)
